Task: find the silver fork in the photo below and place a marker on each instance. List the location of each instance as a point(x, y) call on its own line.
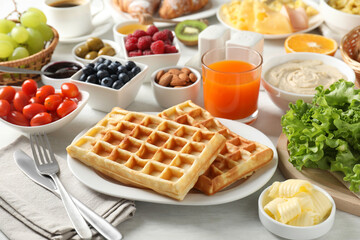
point(47, 165)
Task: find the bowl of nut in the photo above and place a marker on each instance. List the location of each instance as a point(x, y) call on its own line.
point(93, 47)
point(175, 84)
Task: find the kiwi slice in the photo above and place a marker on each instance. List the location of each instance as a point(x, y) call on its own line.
point(188, 31)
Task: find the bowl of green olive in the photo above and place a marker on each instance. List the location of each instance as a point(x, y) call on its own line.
point(93, 47)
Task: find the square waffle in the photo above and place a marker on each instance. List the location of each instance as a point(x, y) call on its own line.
point(148, 151)
point(238, 159)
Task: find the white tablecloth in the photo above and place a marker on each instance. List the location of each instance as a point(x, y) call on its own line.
point(235, 220)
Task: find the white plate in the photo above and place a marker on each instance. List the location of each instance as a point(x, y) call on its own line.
point(209, 10)
point(314, 22)
point(234, 192)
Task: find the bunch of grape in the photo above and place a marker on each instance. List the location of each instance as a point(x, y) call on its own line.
point(20, 40)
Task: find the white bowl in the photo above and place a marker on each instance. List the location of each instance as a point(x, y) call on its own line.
point(295, 232)
point(168, 96)
point(56, 82)
point(155, 61)
point(50, 127)
point(105, 98)
point(119, 37)
point(282, 98)
point(113, 44)
point(337, 20)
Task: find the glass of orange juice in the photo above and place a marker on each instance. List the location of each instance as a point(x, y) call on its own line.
point(231, 82)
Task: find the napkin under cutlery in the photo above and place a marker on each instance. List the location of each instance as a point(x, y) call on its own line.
point(28, 211)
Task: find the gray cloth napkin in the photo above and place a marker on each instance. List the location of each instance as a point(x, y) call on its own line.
point(28, 211)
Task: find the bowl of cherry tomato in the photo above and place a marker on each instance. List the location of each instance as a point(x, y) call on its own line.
point(45, 109)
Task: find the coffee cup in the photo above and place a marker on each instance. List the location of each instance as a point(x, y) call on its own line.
point(71, 18)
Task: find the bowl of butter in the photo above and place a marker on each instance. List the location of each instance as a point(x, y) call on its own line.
point(296, 209)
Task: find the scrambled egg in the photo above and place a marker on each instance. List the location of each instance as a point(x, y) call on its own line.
point(348, 6)
point(263, 17)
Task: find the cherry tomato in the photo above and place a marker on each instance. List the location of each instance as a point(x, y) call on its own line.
point(40, 119)
point(20, 100)
point(54, 116)
point(7, 93)
point(52, 102)
point(29, 87)
point(66, 107)
point(43, 92)
point(33, 100)
point(17, 118)
point(4, 108)
point(32, 109)
point(69, 90)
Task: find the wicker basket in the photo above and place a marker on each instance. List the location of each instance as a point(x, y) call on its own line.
point(34, 62)
point(349, 51)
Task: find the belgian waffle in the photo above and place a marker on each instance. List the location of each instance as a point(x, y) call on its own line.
point(238, 159)
point(148, 151)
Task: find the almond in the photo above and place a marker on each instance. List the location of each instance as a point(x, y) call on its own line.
point(184, 77)
point(159, 75)
point(186, 70)
point(176, 81)
point(174, 71)
point(192, 77)
point(165, 80)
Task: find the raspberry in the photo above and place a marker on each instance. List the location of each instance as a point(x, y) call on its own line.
point(160, 36)
point(157, 47)
point(139, 33)
point(135, 53)
point(170, 49)
point(147, 52)
point(151, 30)
point(168, 42)
point(169, 34)
point(144, 42)
point(131, 44)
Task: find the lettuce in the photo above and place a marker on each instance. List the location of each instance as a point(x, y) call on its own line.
point(326, 133)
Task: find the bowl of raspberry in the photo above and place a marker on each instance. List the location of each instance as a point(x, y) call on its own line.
point(152, 47)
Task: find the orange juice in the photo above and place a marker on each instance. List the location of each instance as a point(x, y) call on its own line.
point(231, 88)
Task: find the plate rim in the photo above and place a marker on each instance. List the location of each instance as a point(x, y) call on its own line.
point(197, 199)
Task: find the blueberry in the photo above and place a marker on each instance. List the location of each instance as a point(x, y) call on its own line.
point(129, 65)
point(107, 62)
point(117, 84)
point(123, 77)
point(122, 69)
point(130, 75)
point(113, 67)
point(114, 77)
point(102, 74)
point(101, 66)
point(117, 63)
point(90, 65)
point(88, 70)
point(135, 70)
point(100, 60)
point(107, 82)
point(92, 79)
point(83, 77)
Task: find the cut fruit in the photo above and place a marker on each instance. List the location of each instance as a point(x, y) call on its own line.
point(188, 31)
point(310, 43)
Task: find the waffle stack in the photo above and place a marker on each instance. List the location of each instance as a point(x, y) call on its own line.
point(148, 151)
point(238, 159)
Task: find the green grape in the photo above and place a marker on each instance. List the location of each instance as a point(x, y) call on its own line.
point(19, 34)
point(18, 53)
point(6, 49)
point(30, 19)
point(35, 42)
point(8, 38)
point(38, 11)
point(45, 31)
point(6, 25)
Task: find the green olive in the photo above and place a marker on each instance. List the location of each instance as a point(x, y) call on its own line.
point(107, 51)
point(94, 44)
point(91, 55)
point(81, 51)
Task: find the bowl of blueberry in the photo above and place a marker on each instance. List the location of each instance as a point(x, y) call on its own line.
point(110, 81)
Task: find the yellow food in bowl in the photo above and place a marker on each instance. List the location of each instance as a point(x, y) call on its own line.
point(348, 6)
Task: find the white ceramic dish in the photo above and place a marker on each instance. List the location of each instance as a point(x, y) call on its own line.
point(54, 125)
point(168, 96)
point(105, 98)
point(314, 22)
point(234, 192)
point(337, 20)
point(56, 82)
point(282, 98)
point(208, 11)
point(86, 61)
point(155, 61)
point(294, 232)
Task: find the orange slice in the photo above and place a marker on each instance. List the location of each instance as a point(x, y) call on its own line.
point(306, 42)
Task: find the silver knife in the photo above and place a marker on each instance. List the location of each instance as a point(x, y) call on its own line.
point(27, 166)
